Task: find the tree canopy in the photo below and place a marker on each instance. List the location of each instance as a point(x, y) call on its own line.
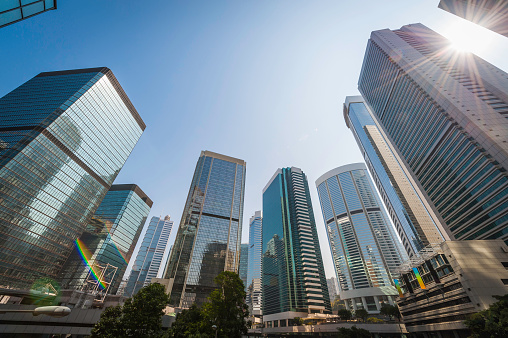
point(362, 314)
point(492, 322)
point(140, 316)
point(353, 332)
point(344, 314)
point(390, 311)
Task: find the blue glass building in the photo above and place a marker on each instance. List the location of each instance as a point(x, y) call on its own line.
point(254, 294)
point(150, 255)
point(417, 224)
point(208, 238)
point(293, 278)
point(446, 115)
point(364, 246)
point(110, 237)
point(12, 11)
point(244, 264)
point(64, 138)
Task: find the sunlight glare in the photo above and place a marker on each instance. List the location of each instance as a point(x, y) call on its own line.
point(468, 37)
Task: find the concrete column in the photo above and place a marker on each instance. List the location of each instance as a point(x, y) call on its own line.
point(378, 305)
point(390, 300)
point(354, 304)
point(364, 302)
point(346, 302)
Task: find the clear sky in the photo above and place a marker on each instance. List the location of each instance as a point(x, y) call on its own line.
point(261, 80)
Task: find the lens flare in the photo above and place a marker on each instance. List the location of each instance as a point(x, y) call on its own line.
point(86, 256)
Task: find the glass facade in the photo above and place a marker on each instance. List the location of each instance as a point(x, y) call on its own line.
point(64, 138)
point(293, 277)
point(208, 238)
point(244, 263)
point(12, 11)
point(110, 237)
point(150, 255)
point(446, 115)
point(254, 295)
point(364, 246)
point(414, 221)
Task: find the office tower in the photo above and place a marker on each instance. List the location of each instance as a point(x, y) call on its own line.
point(415, 221)
point(364, 246)
point(12, 11)
point(293, 278)
point(244, 263)
point(333, 288)
point(208, 239)
point(103, 251)
point(491, 14)
point(445, 113)
point(64, 138)
point(254, 294)
point(150, 255)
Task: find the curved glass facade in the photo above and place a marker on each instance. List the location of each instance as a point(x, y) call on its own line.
point(64, 137)
point(208, 239)
point(364, 246)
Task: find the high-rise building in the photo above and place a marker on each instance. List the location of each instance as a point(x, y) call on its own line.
point(244, 264)
point(110, 238)
point(150, 255)
point(491, 14)
point(364, 246)
point(293, 278)
point(333, 288)
point(415, 221)
point(254, 294)
point(446, 115)
point(64, 138)
point(12, 11)
point(208, 239)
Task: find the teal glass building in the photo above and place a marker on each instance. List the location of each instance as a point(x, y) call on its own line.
point(210, 231)
point(446, 114)
point(12, 11)
point(64, 138)
point(293, 278)
point(244, 264)
point(150, 255)
point(110, 238)
point(365, 249)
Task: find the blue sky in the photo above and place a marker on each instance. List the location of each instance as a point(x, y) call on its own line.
point(262, 80)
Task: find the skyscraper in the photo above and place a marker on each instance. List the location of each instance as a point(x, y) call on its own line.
point(293, 278)
point(416, 223)
point(208, 238)
point(150, 255)
point(445, 113)
point(254, 294)
point(110, 238)
point(244, 264)
point(491, 14)
point(364, 246)
point(14, 11)
point(64, 138)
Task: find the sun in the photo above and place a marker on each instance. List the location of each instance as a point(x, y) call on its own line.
point(466, 36)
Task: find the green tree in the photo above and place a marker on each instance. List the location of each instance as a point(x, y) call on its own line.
point(298, 321)
point(390, 311)
point(353, 332)
point(362, 314)
point(190, 323)
point(492, 322)
point(140, 316)
point(226, 306)
point(344, 314)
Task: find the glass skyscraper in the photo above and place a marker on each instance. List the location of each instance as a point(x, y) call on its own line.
point(244, 263)
point(416, 223)
point(12, 11)
point(446, 115)
point(254, 294)
point(150, 255)
point(364, 246)
point(110, 238)
point(208, 239)
point(64, 137)
point(293, 278)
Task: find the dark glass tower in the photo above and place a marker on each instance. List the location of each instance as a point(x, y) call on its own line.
point(244, 264)
point(12, 11)
point(110, 237)
point(446, 115)
point(208, 239)
point(293, 278)
point(64, 137)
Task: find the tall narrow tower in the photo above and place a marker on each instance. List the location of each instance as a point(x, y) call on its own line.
point(254, 294)
point(293, 278)
point(208, 239)
point(446, 114)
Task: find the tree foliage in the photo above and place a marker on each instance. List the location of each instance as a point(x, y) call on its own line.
point(390, 311)
point(297, 321)
point(140, 316)
point(353, 332)
point(492, 322)
point(361, 314)
point(344, 314)
point(190, 323)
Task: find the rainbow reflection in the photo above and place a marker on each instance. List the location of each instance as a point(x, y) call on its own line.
point(419, 278)
point(397, 285)
point(86, 255)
